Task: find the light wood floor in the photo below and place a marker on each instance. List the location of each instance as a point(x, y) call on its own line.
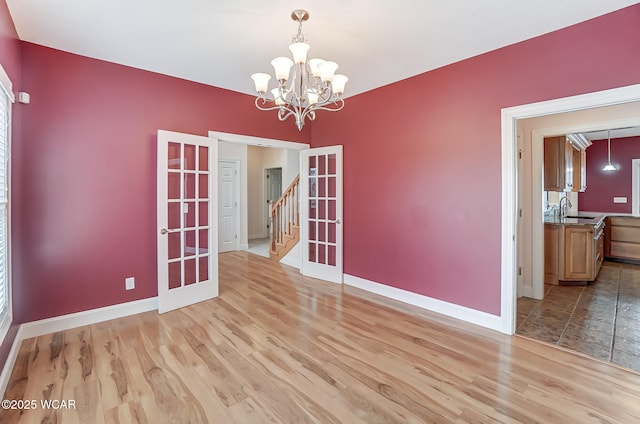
point(277, 347)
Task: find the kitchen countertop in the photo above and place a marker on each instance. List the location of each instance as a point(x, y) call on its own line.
point(581, 218)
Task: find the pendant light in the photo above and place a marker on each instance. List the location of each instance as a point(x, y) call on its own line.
point(609, 166)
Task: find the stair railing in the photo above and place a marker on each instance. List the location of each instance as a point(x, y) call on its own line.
point(284, 215)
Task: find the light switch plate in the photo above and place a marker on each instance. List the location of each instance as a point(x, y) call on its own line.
point(619, 200)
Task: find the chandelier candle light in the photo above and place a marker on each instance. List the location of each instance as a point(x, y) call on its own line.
point(312, 85)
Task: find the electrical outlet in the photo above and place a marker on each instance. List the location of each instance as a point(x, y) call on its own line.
point(619, 200)
point(129, 283)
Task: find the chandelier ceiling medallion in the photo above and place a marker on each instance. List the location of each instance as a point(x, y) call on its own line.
point(312, 85)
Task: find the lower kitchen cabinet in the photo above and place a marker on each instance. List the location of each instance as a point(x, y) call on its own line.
point(578, 253)
point(624, 238)
point(572, 253)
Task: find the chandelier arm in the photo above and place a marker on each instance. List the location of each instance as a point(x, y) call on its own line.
point(264, 100)
point(326, 95)
point(286, 112)
point(339, 105)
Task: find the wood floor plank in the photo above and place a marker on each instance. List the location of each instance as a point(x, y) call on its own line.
point(277, 347)
point(250, 412)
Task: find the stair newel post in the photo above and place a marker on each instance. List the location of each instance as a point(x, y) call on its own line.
point(296, 203)
point(281, 216)
point(289, 212)
point(292, 201)
point(271, 225)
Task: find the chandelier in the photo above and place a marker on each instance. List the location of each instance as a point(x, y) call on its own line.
point(312, 85)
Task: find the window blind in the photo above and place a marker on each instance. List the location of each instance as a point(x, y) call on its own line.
point(4, 203)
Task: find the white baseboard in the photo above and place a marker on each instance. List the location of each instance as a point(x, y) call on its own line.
point(525, 291)
point(65, 322)
point(244, 246)
point(463, 313)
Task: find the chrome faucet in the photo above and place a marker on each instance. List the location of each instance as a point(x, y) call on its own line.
point(567, 205)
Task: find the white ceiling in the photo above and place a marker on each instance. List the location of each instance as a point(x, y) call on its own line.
point(221, 43)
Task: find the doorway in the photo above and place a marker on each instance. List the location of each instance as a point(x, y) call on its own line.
point(272, 192)
point(510, 212)
point(254, 155)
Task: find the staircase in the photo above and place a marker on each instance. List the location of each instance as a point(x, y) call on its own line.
point(285, 221)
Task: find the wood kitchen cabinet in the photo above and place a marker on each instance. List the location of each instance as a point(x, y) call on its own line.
point(564, 165)
point(551, 253)
point(578, 253)
point(572, 252)
point(579, 169)
point(624, 238)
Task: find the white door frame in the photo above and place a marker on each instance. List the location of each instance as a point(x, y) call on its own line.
point(236, 194)
point(635, 186)
point(257, 141)
point(509, 117)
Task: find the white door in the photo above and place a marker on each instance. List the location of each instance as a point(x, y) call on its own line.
point(187, 212)
point(227, 206)
point(321, 213)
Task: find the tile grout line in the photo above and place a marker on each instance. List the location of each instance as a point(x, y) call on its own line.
point(575, 306)
point(615, 317)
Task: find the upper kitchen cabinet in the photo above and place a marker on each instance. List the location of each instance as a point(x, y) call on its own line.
point(579, 169)
point(564, 165)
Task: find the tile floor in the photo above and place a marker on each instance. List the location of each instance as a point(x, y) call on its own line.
point(259, 247)
point(601, 319)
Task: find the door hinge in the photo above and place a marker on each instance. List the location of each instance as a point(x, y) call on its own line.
point(519, 270)
point(519, 154)
point(236, 237)
point(520, 212)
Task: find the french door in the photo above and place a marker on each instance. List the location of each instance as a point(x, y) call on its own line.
point(187, 219)
point(321, 213)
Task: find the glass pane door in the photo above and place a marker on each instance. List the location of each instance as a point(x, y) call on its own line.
point(187, 258)
point(321, 181)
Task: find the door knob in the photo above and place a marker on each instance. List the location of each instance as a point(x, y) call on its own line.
point(164, 231)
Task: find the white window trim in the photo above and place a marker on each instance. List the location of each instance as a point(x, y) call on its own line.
point(7, 86)
point(7, 318)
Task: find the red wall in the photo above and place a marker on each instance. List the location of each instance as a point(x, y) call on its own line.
point(86, 163)
point(602, 186)
point(422, 156)
point(422, 161)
